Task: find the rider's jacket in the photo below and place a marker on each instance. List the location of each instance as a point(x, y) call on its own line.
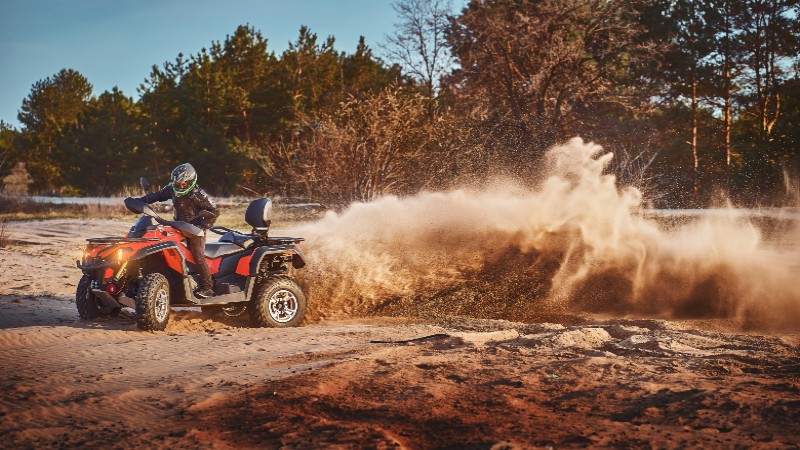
point(187, 207)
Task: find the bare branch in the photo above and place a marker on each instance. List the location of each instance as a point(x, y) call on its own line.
point(418, 43)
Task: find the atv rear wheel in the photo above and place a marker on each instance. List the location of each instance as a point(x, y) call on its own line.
point(152, 302)
point(88, 306)
point(279, 302)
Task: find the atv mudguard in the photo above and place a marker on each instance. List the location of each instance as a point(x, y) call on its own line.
point(262, 252)
point(157, 248)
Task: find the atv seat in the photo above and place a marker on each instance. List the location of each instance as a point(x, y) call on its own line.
point(217, 249)
point(240, 239)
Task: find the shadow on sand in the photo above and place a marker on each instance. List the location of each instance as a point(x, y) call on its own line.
point(18, 311)
point(21, 311)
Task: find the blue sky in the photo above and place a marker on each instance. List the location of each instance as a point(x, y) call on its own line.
point(117, 42)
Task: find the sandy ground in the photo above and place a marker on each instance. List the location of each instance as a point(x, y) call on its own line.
point(371, 383)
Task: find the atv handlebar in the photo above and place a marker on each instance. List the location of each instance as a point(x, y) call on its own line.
point(186, 228)
point(137, 206)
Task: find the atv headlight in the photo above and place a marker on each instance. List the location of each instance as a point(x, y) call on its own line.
point(123, 253)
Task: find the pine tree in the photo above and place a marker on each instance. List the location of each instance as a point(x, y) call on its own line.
point(52, 105)
point(101, 153)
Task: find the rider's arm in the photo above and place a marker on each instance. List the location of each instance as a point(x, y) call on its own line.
point(205, 203)
point(158, 196)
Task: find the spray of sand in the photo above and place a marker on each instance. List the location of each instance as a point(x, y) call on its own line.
point(578, 243)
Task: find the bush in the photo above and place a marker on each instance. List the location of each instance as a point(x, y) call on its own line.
point(4, 234)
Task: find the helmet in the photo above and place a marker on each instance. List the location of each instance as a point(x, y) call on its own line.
point(184, 178)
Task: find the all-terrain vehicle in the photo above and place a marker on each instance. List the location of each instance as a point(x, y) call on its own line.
point(151, 269)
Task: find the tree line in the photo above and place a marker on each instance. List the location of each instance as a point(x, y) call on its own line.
point(694, 97)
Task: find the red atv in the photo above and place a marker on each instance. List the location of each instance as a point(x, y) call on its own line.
point(152, 269)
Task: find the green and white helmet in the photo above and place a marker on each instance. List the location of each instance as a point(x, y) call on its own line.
point(184, 178)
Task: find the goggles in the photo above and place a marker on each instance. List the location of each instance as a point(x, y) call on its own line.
point(182, 184)
point(182, 187)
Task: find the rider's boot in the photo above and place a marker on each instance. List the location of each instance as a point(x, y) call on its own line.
point(204, 293)
point(206, 288)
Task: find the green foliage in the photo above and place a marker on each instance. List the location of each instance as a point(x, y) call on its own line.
point(53, 105)
point(101, 150)
point(311, 73)
point(364, 74)
point(637, 77)
point(760, 164)
point(7, 158)
point(216, 108)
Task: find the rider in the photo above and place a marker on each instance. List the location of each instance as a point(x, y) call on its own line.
point(189, 202)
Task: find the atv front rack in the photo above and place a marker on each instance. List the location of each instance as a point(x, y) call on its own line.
point(118, 240)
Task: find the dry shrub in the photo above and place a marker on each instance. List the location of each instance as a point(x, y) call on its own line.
point(5, 238)
point(379, 145)
point(105, 210)
point(26, 209)
point(10, 205)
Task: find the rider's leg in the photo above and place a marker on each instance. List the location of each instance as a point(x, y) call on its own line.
point(197, 247)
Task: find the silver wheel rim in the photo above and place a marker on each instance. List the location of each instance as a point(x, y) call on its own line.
point(283, 306)
point(161, 305)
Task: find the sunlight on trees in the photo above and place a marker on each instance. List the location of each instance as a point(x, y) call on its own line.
point(693, 96)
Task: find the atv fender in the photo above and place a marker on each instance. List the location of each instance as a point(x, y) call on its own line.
point(147, 251)
point(170, 250)
point(298, 262)
point(258, 256)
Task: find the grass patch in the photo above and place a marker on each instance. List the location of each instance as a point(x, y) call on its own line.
point(25, 209)
point(230, 216)
point(282, 217)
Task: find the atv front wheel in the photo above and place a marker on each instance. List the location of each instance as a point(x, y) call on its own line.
point(152, 302)
point(279, 302)
point(88, 306)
